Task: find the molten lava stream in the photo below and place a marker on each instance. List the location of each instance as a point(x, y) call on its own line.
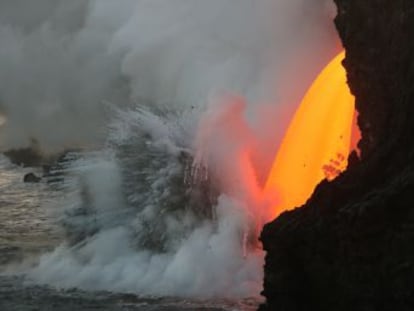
point(317, 142)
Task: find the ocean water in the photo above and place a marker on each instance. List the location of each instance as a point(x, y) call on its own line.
point(141, 216)
point(26, 226)
point(32, 225)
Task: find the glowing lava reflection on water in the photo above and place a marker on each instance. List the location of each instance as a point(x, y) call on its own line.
point(317, 142)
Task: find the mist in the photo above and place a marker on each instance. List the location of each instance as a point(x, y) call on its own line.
point(62, 62)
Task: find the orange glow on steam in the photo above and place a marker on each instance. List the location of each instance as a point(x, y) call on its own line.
point(317, 142)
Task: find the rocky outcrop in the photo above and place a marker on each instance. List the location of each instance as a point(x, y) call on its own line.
point(31, 178)
point(351, 246)
point(34, 156)
point(27, 157)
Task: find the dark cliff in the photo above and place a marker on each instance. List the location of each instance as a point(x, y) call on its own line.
point(351, 246)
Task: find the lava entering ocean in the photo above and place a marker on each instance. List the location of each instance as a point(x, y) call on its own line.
point(317, 142)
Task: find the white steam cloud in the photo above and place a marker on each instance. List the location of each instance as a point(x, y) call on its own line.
point(60, 61)
point(211, 260)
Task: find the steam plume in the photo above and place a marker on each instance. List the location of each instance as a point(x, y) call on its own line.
point(60, 61)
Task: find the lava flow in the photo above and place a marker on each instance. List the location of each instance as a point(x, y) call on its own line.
point(317, 142)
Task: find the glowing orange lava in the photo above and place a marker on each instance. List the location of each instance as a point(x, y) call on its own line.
point(317, 142)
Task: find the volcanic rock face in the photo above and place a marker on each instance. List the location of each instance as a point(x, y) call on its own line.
point(351, 246)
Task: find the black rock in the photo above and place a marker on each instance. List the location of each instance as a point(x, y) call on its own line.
point(31, 178)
